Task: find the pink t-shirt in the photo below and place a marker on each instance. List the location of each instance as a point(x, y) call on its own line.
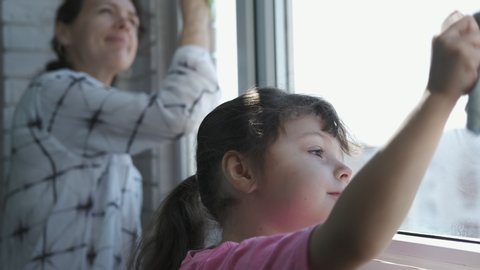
point(281, 251)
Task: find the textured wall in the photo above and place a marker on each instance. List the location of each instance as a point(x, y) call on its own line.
point(26, 31)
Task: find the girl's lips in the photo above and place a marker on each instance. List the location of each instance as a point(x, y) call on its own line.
point(336, 195)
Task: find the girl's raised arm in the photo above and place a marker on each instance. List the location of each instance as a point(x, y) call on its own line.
point(373, 206)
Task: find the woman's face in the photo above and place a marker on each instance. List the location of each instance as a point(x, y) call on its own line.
point(102, 40)
point(303, 176)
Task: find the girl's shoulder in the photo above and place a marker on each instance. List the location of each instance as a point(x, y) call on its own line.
point(215, 256)
point(284, 251)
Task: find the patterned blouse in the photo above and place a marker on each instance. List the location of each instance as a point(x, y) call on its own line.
point(73, 198)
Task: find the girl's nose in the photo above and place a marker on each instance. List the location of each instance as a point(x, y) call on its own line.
point(343, 173)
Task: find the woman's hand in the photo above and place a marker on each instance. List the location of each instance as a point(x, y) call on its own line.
point(455, 58)
point(196, 18)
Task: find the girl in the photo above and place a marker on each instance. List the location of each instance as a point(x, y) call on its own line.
point(270, 170)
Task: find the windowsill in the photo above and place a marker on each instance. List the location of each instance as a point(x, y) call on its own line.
point(414, 252)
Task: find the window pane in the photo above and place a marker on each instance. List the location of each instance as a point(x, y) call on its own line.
point(370, 59)
point(226, 48)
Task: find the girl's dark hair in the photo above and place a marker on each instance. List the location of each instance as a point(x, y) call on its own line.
point(248, 124)
point(67, 12)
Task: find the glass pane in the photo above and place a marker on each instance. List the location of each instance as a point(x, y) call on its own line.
point(370, 59)
point(226, 47)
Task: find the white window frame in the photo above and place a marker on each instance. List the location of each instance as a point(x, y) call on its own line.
point(265, 51)
point(428, 252)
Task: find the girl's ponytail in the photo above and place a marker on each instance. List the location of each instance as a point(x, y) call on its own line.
point(178, 226)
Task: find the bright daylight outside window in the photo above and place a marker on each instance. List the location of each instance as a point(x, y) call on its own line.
point(226, 48)
point(370, 59)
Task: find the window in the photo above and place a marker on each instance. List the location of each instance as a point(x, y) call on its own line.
point(409, 252)
point(331, 47)
point(370, 48)
point(226, 48)
point(370, 59)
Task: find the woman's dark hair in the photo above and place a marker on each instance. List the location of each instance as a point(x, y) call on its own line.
point(248, 124)
point(67, 12)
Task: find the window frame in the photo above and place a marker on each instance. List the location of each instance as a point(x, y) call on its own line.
point(264, 50)
point(264, 54)
point(409, 250)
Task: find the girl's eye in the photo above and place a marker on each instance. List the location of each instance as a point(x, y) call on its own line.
point(317, 152)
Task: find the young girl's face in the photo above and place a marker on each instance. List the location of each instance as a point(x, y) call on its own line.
point(304, 175)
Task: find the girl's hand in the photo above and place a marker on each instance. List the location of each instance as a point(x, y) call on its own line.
point(455, 58)
point(451, 19)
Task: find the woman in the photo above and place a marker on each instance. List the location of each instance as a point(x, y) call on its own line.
point(72, 199)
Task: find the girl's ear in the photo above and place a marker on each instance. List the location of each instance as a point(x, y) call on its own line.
point(238, 172)
point(63, 34)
